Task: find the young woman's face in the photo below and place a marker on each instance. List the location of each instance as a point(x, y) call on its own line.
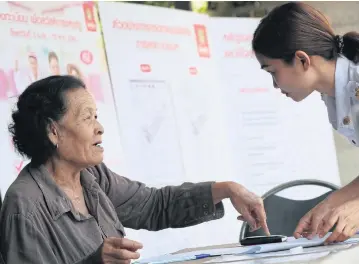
point(295, 80)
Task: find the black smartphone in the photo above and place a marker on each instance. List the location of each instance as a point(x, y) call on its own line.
point(259, 240)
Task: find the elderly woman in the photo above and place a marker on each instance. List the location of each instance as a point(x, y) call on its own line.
point(66, 206)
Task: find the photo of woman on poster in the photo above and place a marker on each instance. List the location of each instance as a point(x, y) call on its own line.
point(73, 70)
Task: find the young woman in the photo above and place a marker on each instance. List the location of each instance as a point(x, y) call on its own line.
point(298, 47)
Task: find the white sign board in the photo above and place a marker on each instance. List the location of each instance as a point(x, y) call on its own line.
point(161, 71)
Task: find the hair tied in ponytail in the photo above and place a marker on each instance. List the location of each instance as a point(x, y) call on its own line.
point(351, 46)
point(339, 43)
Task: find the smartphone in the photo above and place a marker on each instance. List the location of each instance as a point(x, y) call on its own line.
point(258, 240)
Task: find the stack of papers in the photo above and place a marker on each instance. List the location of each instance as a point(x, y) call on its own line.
point(313, 252)
point(291, 243)
point(168, 258)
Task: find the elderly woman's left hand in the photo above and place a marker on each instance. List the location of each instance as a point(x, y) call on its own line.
point(249, 205)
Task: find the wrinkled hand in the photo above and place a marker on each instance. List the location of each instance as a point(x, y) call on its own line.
point(327, 214)
point(119, 250)
point(250, 206)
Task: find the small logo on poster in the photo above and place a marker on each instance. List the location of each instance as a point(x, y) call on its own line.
point(145, 67)
point(202, 40)
point(88, 8)
point(86, 57)
point(193, 70)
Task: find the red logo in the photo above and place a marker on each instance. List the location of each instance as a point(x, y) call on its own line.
point(193, 70)
point(202, 41)
point(145, 68)
point(90, 20)
point(86, 57)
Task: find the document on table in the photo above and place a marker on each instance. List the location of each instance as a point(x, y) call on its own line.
point(314, 251)
point(286, 253)
point(168, 258)
point(299, 259)
point(293, 243)
point(278, 248)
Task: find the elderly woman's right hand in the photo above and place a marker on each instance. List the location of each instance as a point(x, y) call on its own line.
point(119, 250)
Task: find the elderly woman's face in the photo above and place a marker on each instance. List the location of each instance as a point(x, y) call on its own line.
point(79, 131)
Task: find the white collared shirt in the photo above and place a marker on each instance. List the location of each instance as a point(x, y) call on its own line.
point(343, 109)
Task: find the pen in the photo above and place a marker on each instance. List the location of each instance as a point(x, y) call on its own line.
point(202, 256)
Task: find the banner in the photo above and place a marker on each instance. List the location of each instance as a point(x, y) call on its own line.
point(45, 39)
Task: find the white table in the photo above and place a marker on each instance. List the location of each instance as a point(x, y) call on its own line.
point(348, 256)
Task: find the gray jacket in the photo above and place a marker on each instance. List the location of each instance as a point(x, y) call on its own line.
point(38, 223)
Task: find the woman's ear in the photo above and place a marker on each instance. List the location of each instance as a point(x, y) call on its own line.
point(303, 59)
point(52, 133)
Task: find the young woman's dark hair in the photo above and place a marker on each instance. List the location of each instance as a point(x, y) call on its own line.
point(297, 26)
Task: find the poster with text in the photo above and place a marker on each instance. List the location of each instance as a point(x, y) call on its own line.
point(273, 139)
point(53, 38)
point(163, 81)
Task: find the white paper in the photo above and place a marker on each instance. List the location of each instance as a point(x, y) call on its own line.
point(312, 250)
point(191, 255)
point(293, 243)
point(151, 133)
point(279, 258)
point(289, 259)
point(258, 251)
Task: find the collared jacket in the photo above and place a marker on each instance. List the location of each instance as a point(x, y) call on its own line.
point(38, 223)
point(343, 109)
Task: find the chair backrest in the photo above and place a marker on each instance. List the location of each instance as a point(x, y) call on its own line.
point(283, 214)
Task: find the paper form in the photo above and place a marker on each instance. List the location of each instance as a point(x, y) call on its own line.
point(276, 249)
point(191, 255)
point(314, 250)
point(150, 137)
point(291, 259)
